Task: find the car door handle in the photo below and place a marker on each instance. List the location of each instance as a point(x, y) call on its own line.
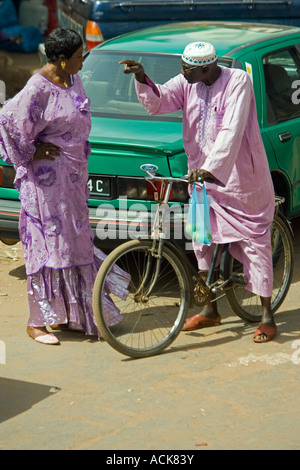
point(285, 136)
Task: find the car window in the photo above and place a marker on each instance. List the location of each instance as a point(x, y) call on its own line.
point(281, 69)
point(112, 93)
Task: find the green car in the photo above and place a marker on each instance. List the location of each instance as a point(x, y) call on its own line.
point(124, 137)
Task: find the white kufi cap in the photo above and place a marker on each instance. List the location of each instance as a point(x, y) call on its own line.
point(199, 53)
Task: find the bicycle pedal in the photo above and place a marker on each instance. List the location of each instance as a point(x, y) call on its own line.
point(220, 286)
point(201, 291)
point(239, 279)
point(235, 280)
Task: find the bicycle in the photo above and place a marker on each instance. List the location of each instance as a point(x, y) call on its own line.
point(164, 283)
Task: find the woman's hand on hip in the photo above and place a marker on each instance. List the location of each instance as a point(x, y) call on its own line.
point(45, 150)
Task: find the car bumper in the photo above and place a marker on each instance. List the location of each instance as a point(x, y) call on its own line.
point(110, 228)
point(9, 221)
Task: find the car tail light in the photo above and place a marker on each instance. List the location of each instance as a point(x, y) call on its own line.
point(157, 191)
point(142, 189)
point(93, 34)
point(132, 188)
point(7, 176)
point(179, 192)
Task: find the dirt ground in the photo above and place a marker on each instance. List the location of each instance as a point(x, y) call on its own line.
point(211, 390)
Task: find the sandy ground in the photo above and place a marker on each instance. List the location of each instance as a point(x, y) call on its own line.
point(212, 389)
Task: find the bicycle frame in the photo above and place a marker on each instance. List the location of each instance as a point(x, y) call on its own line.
point(157, 235)
point(159, 240)
point(207, 287)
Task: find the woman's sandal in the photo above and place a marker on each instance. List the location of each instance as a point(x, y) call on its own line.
point(41, 337)
point(268, 330)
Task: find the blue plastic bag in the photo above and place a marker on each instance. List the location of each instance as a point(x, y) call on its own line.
point(198, 224)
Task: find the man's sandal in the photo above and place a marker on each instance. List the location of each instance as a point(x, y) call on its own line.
point(268, 330)
point(199, 321)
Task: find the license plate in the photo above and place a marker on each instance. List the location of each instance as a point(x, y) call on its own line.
point(99, 186)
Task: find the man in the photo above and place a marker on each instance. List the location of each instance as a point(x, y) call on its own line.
point(222, 140)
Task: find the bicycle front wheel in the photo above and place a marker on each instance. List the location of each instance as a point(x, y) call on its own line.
point(248, 305)
point(152, 314)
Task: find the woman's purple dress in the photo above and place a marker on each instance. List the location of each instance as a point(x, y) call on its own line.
point(60, 258)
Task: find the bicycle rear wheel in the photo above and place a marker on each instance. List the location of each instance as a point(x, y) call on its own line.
point(248, 305)
point(150, 320)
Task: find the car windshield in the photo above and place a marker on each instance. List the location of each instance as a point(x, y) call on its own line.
point(112, 93)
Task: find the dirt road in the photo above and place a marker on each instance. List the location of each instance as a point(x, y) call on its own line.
point(210, 390)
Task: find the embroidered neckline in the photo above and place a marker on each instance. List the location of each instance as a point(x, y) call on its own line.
point(55, 84)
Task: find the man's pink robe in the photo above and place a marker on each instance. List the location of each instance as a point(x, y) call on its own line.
point(221, 135)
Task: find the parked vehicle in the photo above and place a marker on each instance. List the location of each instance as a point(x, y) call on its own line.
point(124, 136)
point(98, 21)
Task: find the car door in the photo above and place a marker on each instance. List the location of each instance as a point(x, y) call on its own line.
point(280, 70)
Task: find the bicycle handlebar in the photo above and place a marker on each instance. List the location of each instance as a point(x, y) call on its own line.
point(151, 170)
point(170, 179)
point(167, 179)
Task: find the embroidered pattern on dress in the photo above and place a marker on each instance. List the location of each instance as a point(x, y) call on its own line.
point(78, 224)
point(81, 104)
point(45, 176)
point(204, 114)
point(35, 111)
point(62, 207)
point(52, 226)
point(74, 177)
point(3, 120)
point(67, 136)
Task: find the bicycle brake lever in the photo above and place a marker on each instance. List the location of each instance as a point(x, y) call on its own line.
point(207, 180)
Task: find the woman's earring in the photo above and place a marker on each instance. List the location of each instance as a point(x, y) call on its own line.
point(63, 64)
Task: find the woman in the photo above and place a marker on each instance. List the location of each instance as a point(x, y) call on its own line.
point(43, 133)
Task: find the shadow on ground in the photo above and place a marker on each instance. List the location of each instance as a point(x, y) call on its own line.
point(17, 396)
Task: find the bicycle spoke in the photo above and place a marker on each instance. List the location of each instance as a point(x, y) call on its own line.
point(248, 305)
point(151, 318)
